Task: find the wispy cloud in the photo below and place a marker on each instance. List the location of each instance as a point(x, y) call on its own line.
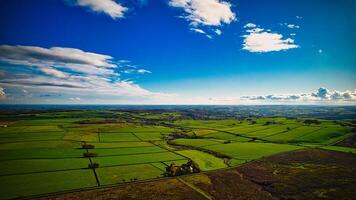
point(206, 12)
point(144, 71)
point(69, 58)
point(2, 93)
point(200, 31)
point(259, 40)
point(112, 8)
point(68, 70)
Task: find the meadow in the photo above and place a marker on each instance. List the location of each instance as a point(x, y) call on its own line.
point(50, 152)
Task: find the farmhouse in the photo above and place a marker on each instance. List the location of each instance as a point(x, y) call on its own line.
point(188, 168)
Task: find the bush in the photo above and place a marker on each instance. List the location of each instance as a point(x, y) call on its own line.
point(93, 165)
point(87, 146)
point(89, 154)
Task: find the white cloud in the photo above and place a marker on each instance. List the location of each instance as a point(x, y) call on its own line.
point(258, 40)
point(53, 72)
point(205, 12)
point(255, 30)
point(209, 36)
point(75, 99)
point(321, 95)
point(109, 7)
point(128, 71)
point(299, 17)
point(198, 30)
point(68, 70)
point(70, 58)
point(218, 31)
point(2, 93)
point(293, 26)
point(320, 51)
point(250, 25)
point(293, 34)
point(144, 71)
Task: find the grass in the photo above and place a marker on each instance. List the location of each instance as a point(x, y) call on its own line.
point(251, 150)
point(40, 144)
point(196, 142)
point(9, 154)
point(236, 162)
point(118, 137)
point(160, 165)
point(136, 159)
point(339, 148)
point(99, 145)
point(294, 134)
point(41, 153)
point(226, 136)
point(120, 174)
point(15, 186)
point(148, 136)
point(125, 151)
point(325, 135)
point(204, 160)
point(41, 165)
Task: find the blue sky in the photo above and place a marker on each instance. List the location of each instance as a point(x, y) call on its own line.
point(178, 51)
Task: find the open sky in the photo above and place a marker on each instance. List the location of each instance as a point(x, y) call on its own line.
point(178, 51)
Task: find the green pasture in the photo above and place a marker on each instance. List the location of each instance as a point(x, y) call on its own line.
point(121, 174)
point(136, 159)
point(50, 153)
point(127, 151)
point(196, 142)
point(251, 150)
point(15, 186)
point(40, 144)
point(41, 165)
point(118, 137)
point(204, 160)
point(108, 145)
point(340, 148)
point(42, 153)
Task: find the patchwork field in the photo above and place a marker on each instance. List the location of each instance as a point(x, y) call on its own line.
point(61, 151)
point(301, 174)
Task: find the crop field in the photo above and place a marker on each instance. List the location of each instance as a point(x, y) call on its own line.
point(50, 152)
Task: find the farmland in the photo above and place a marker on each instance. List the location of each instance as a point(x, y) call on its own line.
point(54, 151)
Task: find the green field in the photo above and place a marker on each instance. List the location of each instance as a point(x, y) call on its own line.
point(204, 160)
point(122, 174)
point(42, 153)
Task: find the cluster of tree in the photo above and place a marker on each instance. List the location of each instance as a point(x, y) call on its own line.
point(93, 165)
point(311, 121)
point(87, 146)
point(89, 154)
point(188, 168)
point(269, 123)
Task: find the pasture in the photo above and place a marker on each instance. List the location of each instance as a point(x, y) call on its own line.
point(46, 152)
